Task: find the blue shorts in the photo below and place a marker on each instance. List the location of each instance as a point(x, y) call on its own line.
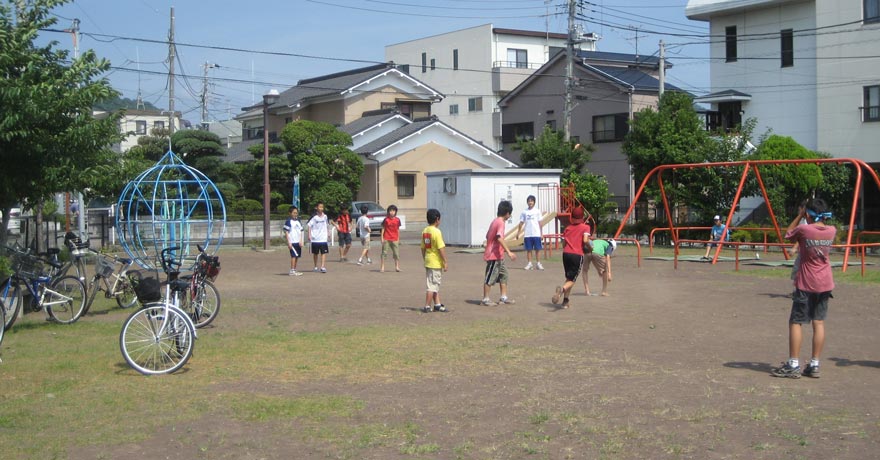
point(533, 243)
point(295, 251)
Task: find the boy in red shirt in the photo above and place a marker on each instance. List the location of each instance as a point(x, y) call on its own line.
point(391, 238)
point(576, 234)
point(343, 228)
point(496, 271)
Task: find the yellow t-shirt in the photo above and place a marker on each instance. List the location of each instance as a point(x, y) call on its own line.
point(432, 243)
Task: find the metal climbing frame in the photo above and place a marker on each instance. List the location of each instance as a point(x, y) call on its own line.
point(860, 166)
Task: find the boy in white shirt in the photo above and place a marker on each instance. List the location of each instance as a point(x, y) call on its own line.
point(293, 231)
point(530, 218)
point(318, 226)
point(363, 231)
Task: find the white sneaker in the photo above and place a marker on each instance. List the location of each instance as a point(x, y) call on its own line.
point(528, 266)
point(292, 272)
point(360, 261)
point(487, 302)
point(540, 267)
point(369, 260)
point(296, 273)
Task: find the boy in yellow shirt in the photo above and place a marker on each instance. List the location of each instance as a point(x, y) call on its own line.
point(434, 253)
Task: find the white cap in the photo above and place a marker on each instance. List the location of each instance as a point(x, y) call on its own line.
point(613, 244)
point(717, 218)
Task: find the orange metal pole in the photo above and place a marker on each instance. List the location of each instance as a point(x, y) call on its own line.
point(769, 206)
point(852, 217)
point(742, 182)
point(668, 213)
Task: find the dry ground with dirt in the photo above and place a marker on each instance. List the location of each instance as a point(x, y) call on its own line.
point(673, 364)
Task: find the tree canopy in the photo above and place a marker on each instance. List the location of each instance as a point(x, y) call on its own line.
point(47, 130)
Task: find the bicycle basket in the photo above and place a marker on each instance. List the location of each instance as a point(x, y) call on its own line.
point(147, 289)
point(27, 266)
point(211, 267)
point(103, 267)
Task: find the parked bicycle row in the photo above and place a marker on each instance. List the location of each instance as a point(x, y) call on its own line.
point(158, 338)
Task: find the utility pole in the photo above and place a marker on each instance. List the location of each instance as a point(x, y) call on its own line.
point(662, 68)
point(569, 71)
point(205, 94)
point(81, 210)
point(171, 79)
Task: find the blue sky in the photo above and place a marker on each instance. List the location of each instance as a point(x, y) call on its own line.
point(336, 35)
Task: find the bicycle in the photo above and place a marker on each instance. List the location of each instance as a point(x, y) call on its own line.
point(203, 301)
point(115, 283)
point(63, 299)
point(158, 338)
point(78, 252)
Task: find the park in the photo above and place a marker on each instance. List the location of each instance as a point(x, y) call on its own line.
point(673, 364)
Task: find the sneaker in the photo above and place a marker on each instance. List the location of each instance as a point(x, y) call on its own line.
point(323, 270)
point(557, 295)
point(295, 273)
point(506, 300)
point(540, 267)
point(369, 260)
point(315, 269)
point(292, 272)
point(528, 266)
point(440, 307)
point(811, 371)
point(786, 370)
point(488, 302)
point(565, 302)
point(426, 309)
point(360, 262)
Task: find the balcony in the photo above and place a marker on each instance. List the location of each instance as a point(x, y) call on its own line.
point(506, 75)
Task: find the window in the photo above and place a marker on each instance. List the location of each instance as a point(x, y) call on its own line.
point(475, 104)
point(454, 59)
point(551, 124)
point(871, 110)
point(453, 109)
point(158, 125)
point(787, 48)
point(517, 58)
point(140, 127)
point(433, 64)
point(404, 68)
point(424, 62)
point(253, 133)
point(872, 11)
point(510, 133)
point(406, 185)
point(610, 128)
point(730, 43)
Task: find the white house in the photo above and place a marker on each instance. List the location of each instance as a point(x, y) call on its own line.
point(475, 68)
point(135, 124)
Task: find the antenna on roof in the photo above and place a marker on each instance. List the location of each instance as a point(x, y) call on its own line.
point(139, 103)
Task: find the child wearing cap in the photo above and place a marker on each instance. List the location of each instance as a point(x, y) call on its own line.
point(718, 232)
point(600, 257)
point(576, 235)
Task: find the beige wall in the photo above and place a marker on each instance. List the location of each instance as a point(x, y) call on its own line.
point(356, 105)
point(426, 158)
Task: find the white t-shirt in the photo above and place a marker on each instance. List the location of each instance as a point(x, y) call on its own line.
point(363, 225)
point(293, 229)
point(532, 222)
point(318, 228)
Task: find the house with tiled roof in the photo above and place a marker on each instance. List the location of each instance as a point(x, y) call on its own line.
point(609, 89)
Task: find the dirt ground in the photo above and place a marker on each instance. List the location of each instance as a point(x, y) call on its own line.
point(673, 364)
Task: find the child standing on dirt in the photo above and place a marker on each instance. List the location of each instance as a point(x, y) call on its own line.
point(530, 220)
point(391, 238)
point(496, 247)
point(814, 282)
point(343, 227)
point(318, 228)
point(293, 231)
point(576, 235)
point(600, 257)
point(363, 231)
point(434, 254)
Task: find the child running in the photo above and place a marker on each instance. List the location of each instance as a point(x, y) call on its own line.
point(434, 254)
point(391, 238)
point(496, 271)
point(293, 231)
point(576, 235)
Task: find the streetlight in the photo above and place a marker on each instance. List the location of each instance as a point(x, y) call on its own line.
point(268, 99)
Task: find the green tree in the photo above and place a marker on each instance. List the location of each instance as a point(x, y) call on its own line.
point(47, 130)
point(329, 171)
point(152, 147)
point(195, 144)
point(116, 103)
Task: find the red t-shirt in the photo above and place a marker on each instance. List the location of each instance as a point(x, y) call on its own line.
point(574, 238)
point(343, 222)
point(494, 251)
point(814, 245)
point(392, 228)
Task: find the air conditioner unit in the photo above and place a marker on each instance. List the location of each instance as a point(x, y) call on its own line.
point(449, 185)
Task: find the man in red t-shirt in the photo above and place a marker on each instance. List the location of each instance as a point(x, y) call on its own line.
point(496, 271)
point(343, 228)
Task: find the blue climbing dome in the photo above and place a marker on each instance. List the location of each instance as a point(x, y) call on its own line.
point(170, 205)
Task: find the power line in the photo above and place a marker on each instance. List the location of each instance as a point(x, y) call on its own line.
point(400, 13)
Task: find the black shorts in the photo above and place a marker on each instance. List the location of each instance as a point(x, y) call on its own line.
point(571, 263)
point(295, 250)
point(320, 248)
point(807, 307)
point(345, 238)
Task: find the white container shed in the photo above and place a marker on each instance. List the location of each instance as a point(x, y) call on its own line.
point(468, 199)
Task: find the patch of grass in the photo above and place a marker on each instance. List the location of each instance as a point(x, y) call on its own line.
point(317, 408)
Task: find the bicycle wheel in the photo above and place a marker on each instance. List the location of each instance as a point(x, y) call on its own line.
point(2, 321)
point(204, 304)
point(79, 264)
point(153, 345)
point(91, 290)
point(65, 299)
point(11, 297)
point(126, 297)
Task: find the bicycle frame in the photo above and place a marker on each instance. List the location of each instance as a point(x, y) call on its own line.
point(39, 287)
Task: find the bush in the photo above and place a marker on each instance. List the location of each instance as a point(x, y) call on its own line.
point(245, 207)
point(5, 268)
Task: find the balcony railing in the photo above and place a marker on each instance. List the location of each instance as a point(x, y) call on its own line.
point(870, 113)
point(517, 65)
